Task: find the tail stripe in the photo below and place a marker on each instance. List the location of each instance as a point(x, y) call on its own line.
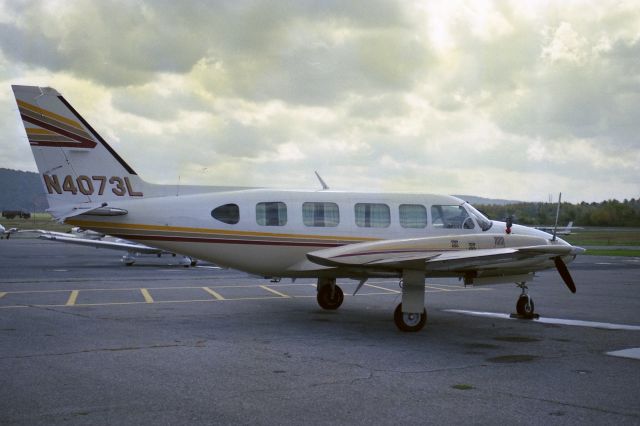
point(58, 124)
point(42, 135)
point(49, 114)
point(83, 142)
point(97, 136)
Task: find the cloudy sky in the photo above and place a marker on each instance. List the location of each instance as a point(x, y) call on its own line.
point(503, 99)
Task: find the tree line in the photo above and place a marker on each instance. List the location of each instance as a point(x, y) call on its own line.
point(605, 213)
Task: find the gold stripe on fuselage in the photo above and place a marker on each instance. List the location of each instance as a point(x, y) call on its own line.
point(203, 232)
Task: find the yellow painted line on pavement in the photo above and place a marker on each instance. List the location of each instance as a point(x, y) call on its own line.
point(72, 298)
point(150, 288)
point(146, 295)
point(148, 299)
point(437, 288)
point(2, 293)
point(214, 293)
point(275, 291)
point(384, 288)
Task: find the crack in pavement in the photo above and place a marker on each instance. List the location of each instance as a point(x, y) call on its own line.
point(569, 404)
point(46, 308)
point(123, 349)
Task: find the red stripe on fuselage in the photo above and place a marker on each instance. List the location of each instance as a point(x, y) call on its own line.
point(223, 241)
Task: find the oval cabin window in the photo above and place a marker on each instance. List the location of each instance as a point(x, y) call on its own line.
point(229, 213)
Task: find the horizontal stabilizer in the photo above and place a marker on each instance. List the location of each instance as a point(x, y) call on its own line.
point(113, 245)
point(60, 213)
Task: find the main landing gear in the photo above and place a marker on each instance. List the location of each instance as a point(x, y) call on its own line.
point(409, 321)
point(410, 315)
point(330, 296)
point(525, 306)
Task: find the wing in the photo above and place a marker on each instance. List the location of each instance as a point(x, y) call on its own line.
point(455, 254)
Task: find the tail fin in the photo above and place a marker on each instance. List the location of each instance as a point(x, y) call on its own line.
point(569, 226)
point(79, 170)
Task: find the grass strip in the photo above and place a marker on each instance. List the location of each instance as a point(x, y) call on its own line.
point(605, 252)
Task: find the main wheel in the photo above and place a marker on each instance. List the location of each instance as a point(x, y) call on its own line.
point(409, 322)
point(128, 259)
point(525, 306)
point(330, 298)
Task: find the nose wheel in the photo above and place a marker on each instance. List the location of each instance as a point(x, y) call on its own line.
point(525, 306)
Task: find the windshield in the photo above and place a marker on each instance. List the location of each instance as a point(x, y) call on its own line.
point(482, 220)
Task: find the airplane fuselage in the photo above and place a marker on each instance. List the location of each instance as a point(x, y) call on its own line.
point(269, 232)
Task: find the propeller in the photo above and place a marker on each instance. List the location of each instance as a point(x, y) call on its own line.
point(564, 273)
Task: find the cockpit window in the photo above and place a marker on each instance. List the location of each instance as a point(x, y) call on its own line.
point(482, 220)
point(451, 217)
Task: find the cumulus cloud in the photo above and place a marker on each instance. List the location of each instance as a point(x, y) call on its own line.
point(496, 98)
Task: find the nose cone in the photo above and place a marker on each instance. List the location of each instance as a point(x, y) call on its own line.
point(575, 250)
point(525, 230)
point(521, 230)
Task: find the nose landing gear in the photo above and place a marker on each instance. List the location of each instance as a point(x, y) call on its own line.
point(525, 306)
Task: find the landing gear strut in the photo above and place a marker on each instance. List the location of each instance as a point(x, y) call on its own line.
point(330, 296)
point(410, 314)
point(525, 306)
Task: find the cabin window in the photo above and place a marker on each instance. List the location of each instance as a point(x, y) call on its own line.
point(370, 215)
point(271, 214)
point(451, 217)
point(229, 213)
point(413, 216)
point(320, 214)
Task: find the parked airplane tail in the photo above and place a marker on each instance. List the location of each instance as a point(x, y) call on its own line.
point(79, 170)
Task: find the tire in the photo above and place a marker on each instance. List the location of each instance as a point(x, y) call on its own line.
point(326, 301)
point(409, 322)
point(523, 309)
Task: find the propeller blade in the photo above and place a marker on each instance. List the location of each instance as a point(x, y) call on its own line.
point(564, 273)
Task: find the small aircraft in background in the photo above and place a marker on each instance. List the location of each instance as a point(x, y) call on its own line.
point(283, 233)
point(91, 238)
point(562, 230)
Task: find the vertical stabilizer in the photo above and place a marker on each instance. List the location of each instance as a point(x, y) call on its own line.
point(79, 170)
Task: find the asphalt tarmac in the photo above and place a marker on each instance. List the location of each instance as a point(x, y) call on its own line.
point(86, 340)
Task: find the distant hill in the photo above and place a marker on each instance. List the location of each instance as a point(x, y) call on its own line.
point(486, 201)
point(21, 191)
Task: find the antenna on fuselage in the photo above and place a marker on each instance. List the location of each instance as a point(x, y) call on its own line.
point(555, 227)
point(322, 182)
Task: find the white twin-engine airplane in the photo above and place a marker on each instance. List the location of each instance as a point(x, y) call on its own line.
point(283, 233)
